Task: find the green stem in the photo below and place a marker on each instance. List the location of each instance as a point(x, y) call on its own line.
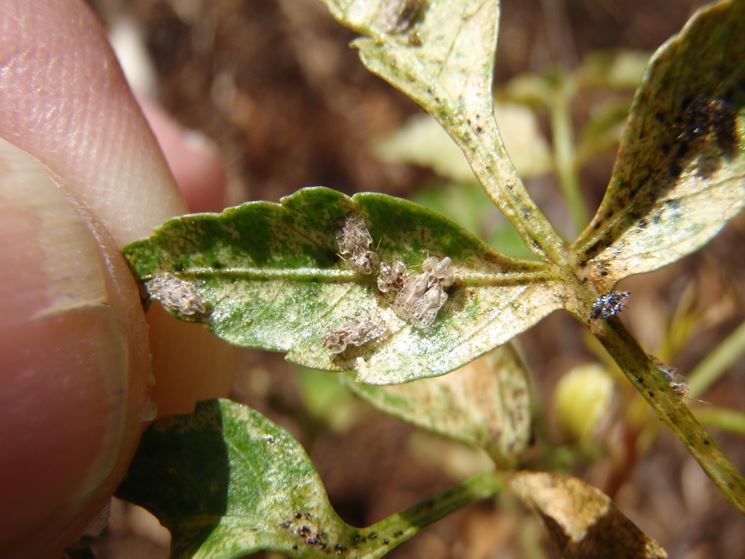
point(406, 524)
point(564, 160)
point(491, 164)
point(717, 362)
point(656, 390)
point(723, 419)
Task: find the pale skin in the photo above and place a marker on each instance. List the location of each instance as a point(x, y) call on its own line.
point(81, 175)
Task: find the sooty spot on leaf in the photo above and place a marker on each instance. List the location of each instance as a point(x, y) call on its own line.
point(679, 175)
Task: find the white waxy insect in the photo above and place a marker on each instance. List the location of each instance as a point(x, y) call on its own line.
point(423, 294)
point(353, 331)
point(176, 295)
point(354, 242)
point(391, 276)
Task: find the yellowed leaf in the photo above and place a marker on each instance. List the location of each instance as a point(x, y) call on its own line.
point(485, 404)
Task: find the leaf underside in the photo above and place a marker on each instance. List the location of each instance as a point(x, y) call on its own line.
point(270, 276)
point(680, 173)
point(485, 404)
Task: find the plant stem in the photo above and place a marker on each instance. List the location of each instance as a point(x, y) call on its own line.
point(431, 510)
point(483, 147)
point(656, 390)
point(563, 144)
point(717, 362)
point(723, 419)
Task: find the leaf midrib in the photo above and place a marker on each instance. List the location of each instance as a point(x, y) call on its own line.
point(328, 275)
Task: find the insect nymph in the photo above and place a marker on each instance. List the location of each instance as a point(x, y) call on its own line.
point(176, 295)
point(609, 304)
point(423, 294)
point(354, 242)
point(353, 331)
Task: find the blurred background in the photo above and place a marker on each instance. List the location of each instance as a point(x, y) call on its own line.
point(273, 86)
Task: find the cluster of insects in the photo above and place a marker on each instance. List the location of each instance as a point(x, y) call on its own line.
point(415, 297)
point(176, 295)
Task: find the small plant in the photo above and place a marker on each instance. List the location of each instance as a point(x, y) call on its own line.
point(385, 292)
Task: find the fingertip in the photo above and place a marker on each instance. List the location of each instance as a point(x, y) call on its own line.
point(65, 100)
point(73, 387)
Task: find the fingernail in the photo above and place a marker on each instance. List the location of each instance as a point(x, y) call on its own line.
point(48, 250)
point(63, 357)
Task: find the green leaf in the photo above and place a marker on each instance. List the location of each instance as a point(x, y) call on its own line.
point(485, 404)
point(679, 175)
point(269, 276)
point(583, 522)
point(228, 482)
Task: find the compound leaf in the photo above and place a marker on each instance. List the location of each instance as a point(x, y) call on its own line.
point(484, 404)
point(269, 276)
point(227, 482)
point(582, 521)
point(680, 174)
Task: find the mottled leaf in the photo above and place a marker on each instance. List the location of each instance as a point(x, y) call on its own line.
point(227, 482)
point(680, 174)
point(485, 404)
point(270, 276)
point(436, 51)
point(582, 521)
point(441, 54)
